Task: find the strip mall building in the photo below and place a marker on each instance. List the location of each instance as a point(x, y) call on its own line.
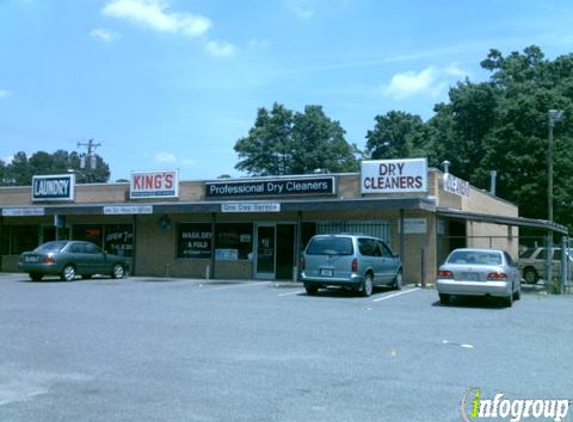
point(255, 228)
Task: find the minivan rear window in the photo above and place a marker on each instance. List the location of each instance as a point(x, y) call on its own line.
point(330, 246)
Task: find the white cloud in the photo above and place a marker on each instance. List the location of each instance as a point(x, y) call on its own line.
point(431, 81)
point(165, 157)
point(258, 43)
point(4, 94)
point(155, 14)
point(301, 8)
point(105, 35)
point(220, 49)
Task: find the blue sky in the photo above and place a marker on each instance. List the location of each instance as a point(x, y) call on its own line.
point(175, 83)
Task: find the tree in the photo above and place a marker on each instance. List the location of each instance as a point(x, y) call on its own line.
point(284, 142)
point(502, 125)
point(21, 169)
point(397, 135)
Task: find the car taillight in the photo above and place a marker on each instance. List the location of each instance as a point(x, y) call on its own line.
point(302, 263)
point(49, 259)
point(445, 274)
point(497, 276)
point(354, 265)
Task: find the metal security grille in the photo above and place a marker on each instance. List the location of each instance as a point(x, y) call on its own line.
point(380, 229)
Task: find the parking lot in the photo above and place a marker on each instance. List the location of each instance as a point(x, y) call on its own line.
point(144, 349)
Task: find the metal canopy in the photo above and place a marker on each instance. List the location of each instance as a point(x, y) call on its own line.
point(354, 204)
point(508, 221)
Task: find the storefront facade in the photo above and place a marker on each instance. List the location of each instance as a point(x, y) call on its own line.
point(255, 228)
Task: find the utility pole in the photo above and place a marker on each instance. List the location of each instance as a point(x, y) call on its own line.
point(90, 157)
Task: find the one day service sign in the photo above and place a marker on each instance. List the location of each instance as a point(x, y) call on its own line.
point(394, 176)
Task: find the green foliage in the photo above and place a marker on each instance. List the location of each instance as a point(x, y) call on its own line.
point(500, 124)
point(397, 135)
point(287, 142)
point(21, 169)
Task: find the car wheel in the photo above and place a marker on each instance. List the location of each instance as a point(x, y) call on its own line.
point(530, 276)
point(36, 276)
point(117, 271)
point(444, 298)
point(398, 280)
point(68, 273)
point(517, 294)
point(509, 300)
point(311, 289)
point(367, 286)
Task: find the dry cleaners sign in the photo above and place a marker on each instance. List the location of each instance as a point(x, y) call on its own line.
point(394, 176)
point(59, 187)
point(278, 187)
point(157, 184)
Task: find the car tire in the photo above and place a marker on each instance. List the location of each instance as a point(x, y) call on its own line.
point(444, 298)
point(311, 289)
point(117, 271)
point(530, 275)
point(517, 294)
point(36, 276)
point(398, 280)
point(509, 300)
point(367, 286)
point(68, 273)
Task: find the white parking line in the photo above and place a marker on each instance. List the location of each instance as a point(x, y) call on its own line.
point(380, 299)
point(292, 293)
point(233, 286)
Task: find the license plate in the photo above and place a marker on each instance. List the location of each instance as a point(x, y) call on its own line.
point(326, 272)
point(470, 276)
point(32, 259)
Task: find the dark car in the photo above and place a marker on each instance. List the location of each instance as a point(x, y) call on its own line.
point(68, 258)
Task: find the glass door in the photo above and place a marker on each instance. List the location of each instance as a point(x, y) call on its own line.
point(265, 259)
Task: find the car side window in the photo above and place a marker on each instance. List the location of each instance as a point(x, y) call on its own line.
point(509, 260)
point(76, 248)
point(91, 248)
point(386, 252)
point(367, 247)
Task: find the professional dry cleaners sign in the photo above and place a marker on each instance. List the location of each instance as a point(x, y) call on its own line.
point(278, 187)
point(57, 187)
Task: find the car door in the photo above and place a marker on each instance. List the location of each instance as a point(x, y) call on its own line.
point(388, 262)
point(77, 256)
point(96, 260)
point(366, 248)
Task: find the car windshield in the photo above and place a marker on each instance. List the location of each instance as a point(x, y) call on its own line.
point(330, 246)
point(475, 258)
point(55, 246)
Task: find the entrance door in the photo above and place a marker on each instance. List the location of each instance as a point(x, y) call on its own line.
point(275, 251)
point(265, 263)
point(285, 251)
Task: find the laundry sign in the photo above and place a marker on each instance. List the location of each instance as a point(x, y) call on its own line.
point(58, 187)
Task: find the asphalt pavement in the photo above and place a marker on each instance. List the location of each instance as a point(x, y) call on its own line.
point(147, 349)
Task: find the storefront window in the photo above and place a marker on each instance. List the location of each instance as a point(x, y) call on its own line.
point(89, 233)
point(234, 241)
point(18, 239)
point(113, 238)
point(119, 239)
point(194, 240)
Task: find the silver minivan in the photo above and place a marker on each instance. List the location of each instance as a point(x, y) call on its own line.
point(350, 261)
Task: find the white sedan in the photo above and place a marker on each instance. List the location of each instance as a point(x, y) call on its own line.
point(479, 272)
